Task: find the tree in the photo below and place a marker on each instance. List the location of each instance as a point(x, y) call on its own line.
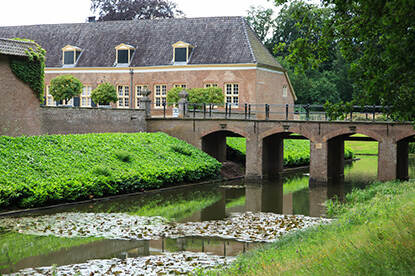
point(110, 10)
point(65, 87)
point(211, 95)
point(260, 20)
point(377, 39)
point(104, 94)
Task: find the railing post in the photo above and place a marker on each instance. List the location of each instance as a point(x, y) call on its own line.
point(307, 112)
point(204, 110)
point(194, 110)
point(374, 112)
point(266, 111)
point(246, 111)
point(286, 112)
point(351, 115)
point(249, 111)
point(230, 109)
point(183, 103)
point(210, 110)
point(226, 110)
point(164, 110)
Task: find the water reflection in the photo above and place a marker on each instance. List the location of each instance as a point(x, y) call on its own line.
point(289, 195)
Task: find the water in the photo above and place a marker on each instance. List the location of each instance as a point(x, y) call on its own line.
point(288, 195)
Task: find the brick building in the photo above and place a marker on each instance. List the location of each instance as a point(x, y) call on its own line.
point(19, 106)
point(159, 55)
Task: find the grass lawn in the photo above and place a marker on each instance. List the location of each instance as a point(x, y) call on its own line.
point(296, 152)
point(374, 234)
point(362, 147)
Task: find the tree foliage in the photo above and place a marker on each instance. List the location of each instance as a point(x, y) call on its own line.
point(104, 94)
point(110, 10)
point(65, 87)
point(376, 38)
point(211, 95)
point(260, 19)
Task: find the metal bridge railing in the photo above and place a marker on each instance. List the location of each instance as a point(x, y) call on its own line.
point(248, 111)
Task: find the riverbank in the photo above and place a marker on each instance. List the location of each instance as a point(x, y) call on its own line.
point(374, 234)
point(45, 170)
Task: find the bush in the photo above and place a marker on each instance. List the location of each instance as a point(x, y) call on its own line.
point(104, 94)
point(65, 87)
point(42, 170)
point(211, 95)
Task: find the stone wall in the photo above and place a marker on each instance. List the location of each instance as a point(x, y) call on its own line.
point(69, 120)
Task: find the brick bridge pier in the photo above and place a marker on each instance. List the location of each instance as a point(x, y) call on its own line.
point(264, 143)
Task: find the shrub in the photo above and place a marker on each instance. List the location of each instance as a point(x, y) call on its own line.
point(124, 156)
point(211, 95)
point(104, 94)
point(65, 87)
point(42, 170)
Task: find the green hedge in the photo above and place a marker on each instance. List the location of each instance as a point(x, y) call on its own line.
point(43, 170)
point(296, 152)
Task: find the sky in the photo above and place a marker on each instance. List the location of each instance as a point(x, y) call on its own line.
point(29, 12)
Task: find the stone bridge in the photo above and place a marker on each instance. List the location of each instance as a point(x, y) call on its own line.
point(264, 143)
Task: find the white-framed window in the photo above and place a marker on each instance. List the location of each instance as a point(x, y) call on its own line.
point(123, 92)
point(50, 101)
point(70, 55)
point(138, 93)
point(232, 93)
point(208, 85)
point(181, 52)
point(124, 54)
point(180, 85)
point(85, 98)
point(49, 98)
point(160, 95)
point(284, 91)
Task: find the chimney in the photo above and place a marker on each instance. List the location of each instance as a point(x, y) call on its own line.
point(91, 19)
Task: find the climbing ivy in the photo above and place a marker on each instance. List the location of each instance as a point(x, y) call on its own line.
point(31, 69)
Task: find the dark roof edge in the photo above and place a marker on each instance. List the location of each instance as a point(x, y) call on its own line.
point(271, 67)
point(244, 23)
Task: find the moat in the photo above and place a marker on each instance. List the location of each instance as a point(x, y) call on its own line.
point(199, 212)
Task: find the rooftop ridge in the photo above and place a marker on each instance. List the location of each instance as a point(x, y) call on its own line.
point(247, 39)
point(128, 21)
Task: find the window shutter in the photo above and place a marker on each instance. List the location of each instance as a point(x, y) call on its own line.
point(76, 101)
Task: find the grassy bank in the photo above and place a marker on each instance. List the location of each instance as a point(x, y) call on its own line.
point(42, 170)
point(296, 152)
point(374, 234)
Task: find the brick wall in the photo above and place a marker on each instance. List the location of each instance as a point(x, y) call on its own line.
point(19, 107)
point(66, 120)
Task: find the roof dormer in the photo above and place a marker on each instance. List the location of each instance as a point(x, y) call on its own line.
point(70, 55)
point(181, 52)
point(124, 54)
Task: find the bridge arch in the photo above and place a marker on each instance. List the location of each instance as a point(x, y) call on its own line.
point(271, 147)
point(214, 141)
point(228, 129)
point(280, 130)
point(347, 131)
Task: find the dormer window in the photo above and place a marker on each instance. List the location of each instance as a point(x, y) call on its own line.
point(124, 54)
point(70, 54)
point(181, 52)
